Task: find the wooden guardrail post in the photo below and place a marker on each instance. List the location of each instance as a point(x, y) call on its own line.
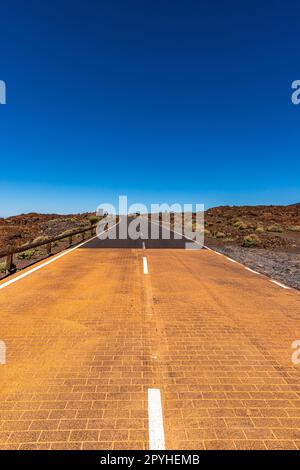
point(49, 249)
point(83, 236)
point(10, 267)
point(70, 240)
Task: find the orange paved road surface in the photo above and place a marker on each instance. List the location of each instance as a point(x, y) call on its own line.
point(89, 334)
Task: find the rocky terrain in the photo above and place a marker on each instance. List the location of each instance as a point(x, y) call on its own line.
point(25, 228)
point(265, 238)
point(21, 230)
point(273, 227)
point(282, 266)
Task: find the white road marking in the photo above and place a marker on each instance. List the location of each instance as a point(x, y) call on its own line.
point(145, 265)
point(279, 284)
point(156, 424)
point(251, 270)
point(40, 266)
point(241, 264)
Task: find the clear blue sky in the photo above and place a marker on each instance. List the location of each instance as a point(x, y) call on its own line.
point(165, 101)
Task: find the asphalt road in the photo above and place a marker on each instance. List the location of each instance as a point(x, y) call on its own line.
point(166, 238)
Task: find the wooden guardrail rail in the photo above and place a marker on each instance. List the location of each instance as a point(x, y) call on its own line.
point(9, 254)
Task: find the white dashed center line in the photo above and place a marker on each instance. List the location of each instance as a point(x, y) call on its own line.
point(145, 265)
point(156, 425)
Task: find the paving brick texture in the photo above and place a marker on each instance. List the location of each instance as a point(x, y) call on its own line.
point(89, 334)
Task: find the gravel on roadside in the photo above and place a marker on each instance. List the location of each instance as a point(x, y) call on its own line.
point(284, 267)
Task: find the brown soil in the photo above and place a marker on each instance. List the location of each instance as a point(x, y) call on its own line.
point(23, 229)
point(276, 254)
point(271, 227)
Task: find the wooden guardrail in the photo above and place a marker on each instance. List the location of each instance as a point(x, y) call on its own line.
point(9, 254)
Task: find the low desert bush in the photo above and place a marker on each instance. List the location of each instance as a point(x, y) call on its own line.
point(220, 235)
point(294, 228)
point(240, 224)
point(66, 219)
point(259, 229)
point(2, 267)
point(251, 240)
point(207, 232)
point(94, 219)
point(275, 228)
point(27, 254)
